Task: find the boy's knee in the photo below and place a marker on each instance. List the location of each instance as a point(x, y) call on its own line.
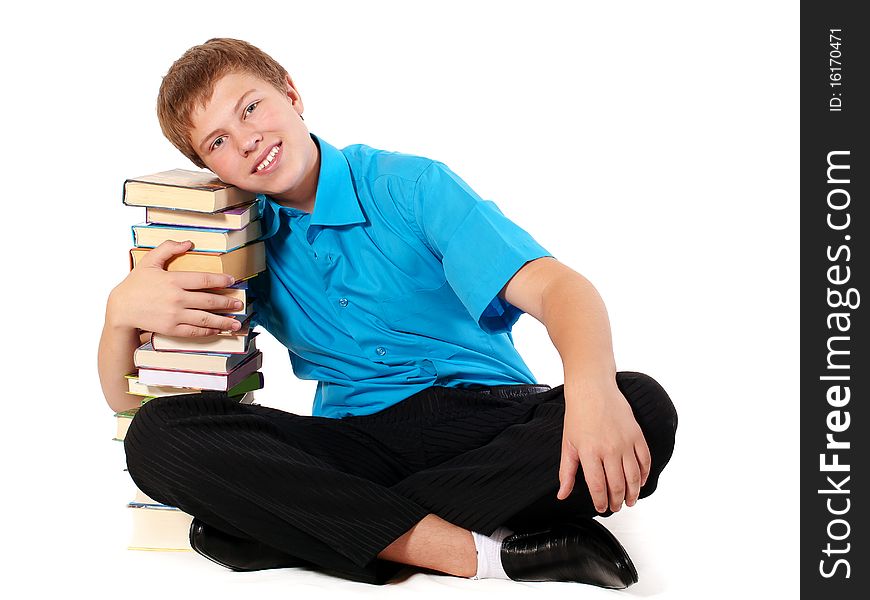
point(159, 451)
point(145, 427)
point(153, 436)
point(145, 443)
point(153, 428)
point(147, 436)
point(654, 412)
point(649, 401)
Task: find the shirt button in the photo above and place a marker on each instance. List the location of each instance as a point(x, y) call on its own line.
point(343, 302)
point(381, 350)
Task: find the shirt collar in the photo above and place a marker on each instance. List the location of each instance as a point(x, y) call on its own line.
point(335, 202)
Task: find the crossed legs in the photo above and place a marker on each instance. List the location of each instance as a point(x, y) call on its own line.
point(336, 497)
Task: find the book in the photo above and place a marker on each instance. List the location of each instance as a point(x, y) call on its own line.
point(123, 420)
point(136, 388)
point(145, 356)
point(222, 343)
point(231, 218)
point(159, 527)
point(204, 240)
point(203, 381)
point(196, 191)
point(241, 263)
point(252, 382)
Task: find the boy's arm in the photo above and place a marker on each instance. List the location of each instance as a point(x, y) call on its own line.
point(115, 359)
point(600, 432)
point(153, 299)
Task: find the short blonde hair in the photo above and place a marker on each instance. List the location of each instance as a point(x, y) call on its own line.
point(191, 79)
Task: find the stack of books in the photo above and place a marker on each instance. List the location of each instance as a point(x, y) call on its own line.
point(223, 224)
point(158, 526)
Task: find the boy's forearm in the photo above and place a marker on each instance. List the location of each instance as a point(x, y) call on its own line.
point(602, 443)
point(115, 359)
point(577, 323)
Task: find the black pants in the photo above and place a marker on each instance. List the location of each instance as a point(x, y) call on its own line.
point(335, 492)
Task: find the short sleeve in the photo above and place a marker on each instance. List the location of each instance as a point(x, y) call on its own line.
point(479, 247)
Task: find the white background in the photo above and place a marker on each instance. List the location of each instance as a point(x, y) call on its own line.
point(651, 146)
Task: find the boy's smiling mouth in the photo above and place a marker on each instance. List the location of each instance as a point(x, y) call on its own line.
point(268, 160)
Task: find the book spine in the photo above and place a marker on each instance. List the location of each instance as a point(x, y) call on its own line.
point(124, 193)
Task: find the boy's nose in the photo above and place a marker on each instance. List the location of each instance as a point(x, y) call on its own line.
point(249, 143)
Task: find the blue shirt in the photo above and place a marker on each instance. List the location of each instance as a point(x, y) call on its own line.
point(390, 285)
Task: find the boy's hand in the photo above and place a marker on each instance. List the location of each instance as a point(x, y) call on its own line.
point(603, 437)
point(154, 299)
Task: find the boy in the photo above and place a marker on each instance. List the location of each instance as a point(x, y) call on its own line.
point(395, 287)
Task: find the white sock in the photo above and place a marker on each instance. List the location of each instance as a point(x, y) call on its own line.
point(489, 554)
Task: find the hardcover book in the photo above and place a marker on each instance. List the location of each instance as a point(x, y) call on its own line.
point(135, 387)
point(231, 218)
point(241, 263)
point(203, 381)
point(123, 420)
point(204, 240)
point(252, 382)
point(158, 527)
point(145, 356)
point(237, 342)
point(196, 191)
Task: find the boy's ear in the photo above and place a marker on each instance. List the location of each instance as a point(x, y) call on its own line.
point(293, 95)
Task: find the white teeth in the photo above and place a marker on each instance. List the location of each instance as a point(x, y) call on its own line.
point(268, 160)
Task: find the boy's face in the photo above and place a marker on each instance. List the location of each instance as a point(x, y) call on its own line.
point(252, 136)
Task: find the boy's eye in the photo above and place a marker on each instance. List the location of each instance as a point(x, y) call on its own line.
point(217, 143)
point(251, 107)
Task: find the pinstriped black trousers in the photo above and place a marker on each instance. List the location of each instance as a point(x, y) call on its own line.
point(333, 493)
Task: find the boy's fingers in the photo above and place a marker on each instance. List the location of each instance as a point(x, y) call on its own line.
point(212, 302)
point(567, 472)
point(632, 479)
point(641, 451)
point(593, 471)
point(190, 280)
point(193, 331)
point(615, 482)
point(162, 253)
point(206, 320)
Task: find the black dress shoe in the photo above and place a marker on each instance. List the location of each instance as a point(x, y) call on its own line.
point(238, 554)
point(582, 551)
